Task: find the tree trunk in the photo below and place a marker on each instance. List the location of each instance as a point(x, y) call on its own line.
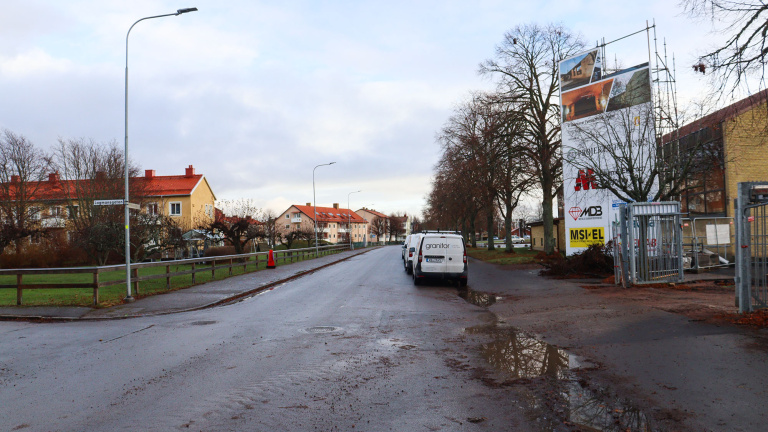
point(472, 231)
point(549, 238)
point(489, 224)
point(508, 228)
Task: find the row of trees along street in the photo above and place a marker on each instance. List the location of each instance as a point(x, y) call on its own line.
point(501, 146)
point(498, 147)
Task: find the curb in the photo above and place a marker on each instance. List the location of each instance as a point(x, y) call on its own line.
point(224, 301)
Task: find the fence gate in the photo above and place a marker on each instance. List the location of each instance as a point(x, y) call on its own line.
point(751, 246)
point(651, 242)
point(709, 242)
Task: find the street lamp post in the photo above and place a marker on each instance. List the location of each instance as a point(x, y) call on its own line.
point(128, 297)
point(314, 202)
point(349, 219)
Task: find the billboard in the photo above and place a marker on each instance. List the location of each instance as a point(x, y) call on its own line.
point(591, 101)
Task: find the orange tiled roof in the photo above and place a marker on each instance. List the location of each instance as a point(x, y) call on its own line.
point(157, 186)
point(330, 214)
point(169, 185)
point(374, 212)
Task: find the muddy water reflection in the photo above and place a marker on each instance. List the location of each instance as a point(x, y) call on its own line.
point(600, 411)
point(518, 355)
point(521, 356)
point(477, 298)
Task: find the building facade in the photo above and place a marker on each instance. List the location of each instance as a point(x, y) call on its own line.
point(725, 148)
point(335, 225)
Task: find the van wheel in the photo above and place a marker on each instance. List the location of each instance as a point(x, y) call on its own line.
point(408, 269)
point(416, 281)
point(463, 283)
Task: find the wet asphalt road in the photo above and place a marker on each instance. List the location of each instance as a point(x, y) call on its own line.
point(355, 346)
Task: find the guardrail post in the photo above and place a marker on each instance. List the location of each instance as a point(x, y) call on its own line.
point(135, 276)
point(95, 287)
point(193, 273)
point(213, 268)
point(230, 266)
point(18, 290)
point(167, 276)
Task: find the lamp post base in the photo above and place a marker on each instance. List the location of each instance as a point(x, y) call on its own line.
point(129, 299)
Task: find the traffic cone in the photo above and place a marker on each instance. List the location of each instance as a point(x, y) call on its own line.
point(271, 260)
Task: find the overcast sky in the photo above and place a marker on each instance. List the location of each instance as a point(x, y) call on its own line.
point(254, 94)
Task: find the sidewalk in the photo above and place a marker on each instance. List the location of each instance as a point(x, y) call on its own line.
point(187, 299)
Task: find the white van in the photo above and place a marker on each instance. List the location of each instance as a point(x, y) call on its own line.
point(409, 254)
point(440, 255)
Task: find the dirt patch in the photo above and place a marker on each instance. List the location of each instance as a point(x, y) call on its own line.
point(706, 301)
point(757, 319)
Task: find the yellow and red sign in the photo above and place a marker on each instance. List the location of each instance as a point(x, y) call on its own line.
point(585, 237)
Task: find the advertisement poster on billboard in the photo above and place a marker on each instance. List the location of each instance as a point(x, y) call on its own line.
point(616, 106)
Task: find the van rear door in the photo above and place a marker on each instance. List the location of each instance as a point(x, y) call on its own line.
point(454, 255)
point(435, 253)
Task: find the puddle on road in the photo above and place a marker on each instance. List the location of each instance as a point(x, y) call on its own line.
point(518, 355)
point(322, 329)
point(202, 323)
point(521, 356)
point(478, 298)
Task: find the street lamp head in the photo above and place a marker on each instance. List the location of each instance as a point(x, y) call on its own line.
point(185, 10)
point(331, 163)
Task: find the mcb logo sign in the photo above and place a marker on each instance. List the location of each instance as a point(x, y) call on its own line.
point(593, 212)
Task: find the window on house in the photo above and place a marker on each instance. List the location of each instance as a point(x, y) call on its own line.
point(152, 209)
point(209, 210)
point(287, 226)
point(72, 211)
point(287, 216)
point(175, 208)
point(55, 211)
point(704, 186)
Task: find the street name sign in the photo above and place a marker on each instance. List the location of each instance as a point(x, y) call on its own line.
point(131, 205)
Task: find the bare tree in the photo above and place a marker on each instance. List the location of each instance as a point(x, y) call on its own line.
point(22, 170)
point(379, 227)
point(94, 171)
point(288, 238)
point(154, 233)
point(527, 64)
point(269, 221)
point(240, 227)
point(743, 55)
point(395, 226)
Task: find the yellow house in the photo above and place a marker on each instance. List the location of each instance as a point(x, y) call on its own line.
point(187, 198)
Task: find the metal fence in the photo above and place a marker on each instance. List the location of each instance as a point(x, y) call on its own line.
point(751, 246)
point(709, 242)
point(650, 244)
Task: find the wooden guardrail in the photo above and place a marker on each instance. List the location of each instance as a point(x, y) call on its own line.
point(198, 265)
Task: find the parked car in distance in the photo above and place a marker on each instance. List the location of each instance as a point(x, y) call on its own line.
point(440, 255)
point(405, 247)
point(410, 252)
point(516, 239)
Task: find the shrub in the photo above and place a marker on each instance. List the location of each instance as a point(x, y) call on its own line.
point(594, 261)
point(45, 255)
point(219, 251)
